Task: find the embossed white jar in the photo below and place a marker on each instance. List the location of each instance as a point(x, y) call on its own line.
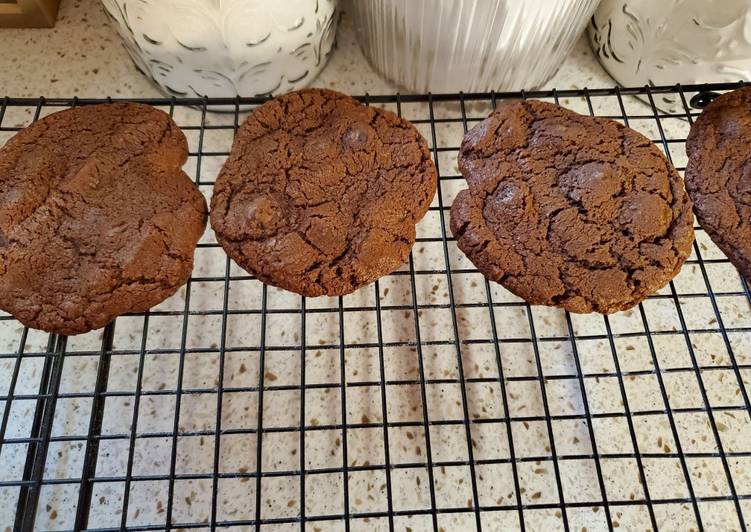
point(662, 42)
point(227, 47)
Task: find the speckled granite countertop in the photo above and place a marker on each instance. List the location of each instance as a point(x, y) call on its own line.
point(573, 413)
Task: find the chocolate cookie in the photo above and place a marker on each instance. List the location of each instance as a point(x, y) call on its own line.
point(569, 210)
point(321, 194)
point(96, 217)
point(718, 175)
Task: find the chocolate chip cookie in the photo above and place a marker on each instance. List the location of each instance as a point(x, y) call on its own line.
point(718, 175)
point(321, 194)
point(96, 217)
point(569, 210)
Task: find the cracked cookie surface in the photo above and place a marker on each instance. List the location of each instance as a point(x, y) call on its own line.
point(321, 194)
point(718, 175)
point(568, 210)
point(97, 218)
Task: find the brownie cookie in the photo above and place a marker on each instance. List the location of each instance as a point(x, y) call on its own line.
point(718, 175)
point(569, 210)
point(96, 217)
point(321, 194)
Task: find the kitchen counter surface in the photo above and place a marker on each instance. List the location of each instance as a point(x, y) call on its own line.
point(83, 57)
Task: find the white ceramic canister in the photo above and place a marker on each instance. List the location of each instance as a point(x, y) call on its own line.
point(650, 42)
point(469, 45)
point(222, 48)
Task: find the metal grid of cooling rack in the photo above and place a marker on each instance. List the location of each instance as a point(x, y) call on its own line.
point(430, 400)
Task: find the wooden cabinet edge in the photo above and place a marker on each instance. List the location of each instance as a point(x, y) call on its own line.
point(29, 14)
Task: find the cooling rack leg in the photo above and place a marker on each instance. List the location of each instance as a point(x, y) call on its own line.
point(40, 432)
point(95, 430)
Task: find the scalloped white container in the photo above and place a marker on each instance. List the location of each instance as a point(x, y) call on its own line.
point(648, 42)
point(222, 48)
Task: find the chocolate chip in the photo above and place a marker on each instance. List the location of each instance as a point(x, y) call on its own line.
point(356, 136)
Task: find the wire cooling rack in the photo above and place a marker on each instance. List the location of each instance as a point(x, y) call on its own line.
point(429, 400)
